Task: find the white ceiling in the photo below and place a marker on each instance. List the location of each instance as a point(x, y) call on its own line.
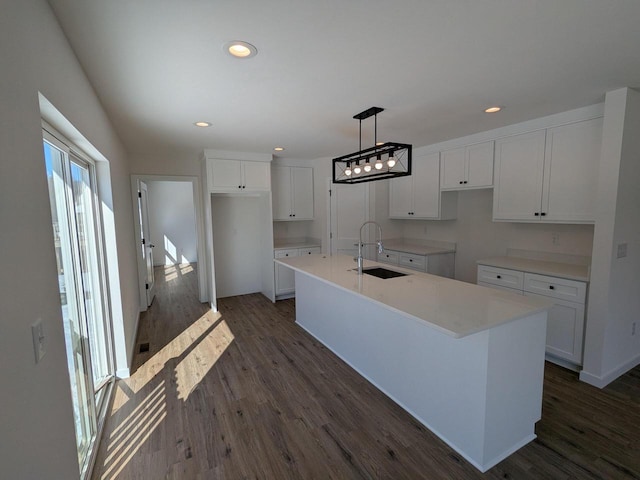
point(434, 65)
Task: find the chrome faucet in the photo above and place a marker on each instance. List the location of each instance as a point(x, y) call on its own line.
point(359, 260)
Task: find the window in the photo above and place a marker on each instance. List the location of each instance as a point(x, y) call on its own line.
point(82, 283)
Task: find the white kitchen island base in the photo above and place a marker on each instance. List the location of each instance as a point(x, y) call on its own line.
point(481, 393)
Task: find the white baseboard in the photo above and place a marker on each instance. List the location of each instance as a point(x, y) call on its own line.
point(601, 381)
point(126, 372)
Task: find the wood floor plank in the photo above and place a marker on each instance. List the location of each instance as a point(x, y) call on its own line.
point(246, 393)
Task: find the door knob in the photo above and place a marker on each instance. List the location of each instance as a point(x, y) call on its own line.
point(151, 245)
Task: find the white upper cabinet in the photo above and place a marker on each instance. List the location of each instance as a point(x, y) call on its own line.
point(292, 193)
point(238, 176)
point(417, 196)
point(518, 177)
point(549, 175)
point(573, 156)
point(467, 167)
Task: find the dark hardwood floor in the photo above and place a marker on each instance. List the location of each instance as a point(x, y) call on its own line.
point(246, 393)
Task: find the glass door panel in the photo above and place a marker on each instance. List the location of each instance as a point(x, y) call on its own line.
point(82, 283)
point(91, 268)
point(72, 308)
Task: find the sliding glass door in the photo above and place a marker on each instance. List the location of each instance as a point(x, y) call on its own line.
point(82, 285)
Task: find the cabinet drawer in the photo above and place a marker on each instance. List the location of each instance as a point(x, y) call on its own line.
point(292, 252)
point(561, 288)
point(309, 251)
point(417, 262)
point(500, 287)
point(388, 257)
point(501, 277)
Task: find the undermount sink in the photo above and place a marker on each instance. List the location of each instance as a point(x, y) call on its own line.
point(381, 272)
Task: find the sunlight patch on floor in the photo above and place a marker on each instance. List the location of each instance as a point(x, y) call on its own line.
point(171, 352)
point(125, 441)
point(192, 369)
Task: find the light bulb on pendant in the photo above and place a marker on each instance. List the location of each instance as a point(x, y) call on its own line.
point(367, 167)
point(347, 171)
point(378, 163)
point(357, 169)
point(392, 161)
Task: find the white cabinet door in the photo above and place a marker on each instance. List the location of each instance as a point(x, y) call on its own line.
point(452, 169)
point(519, 175)
point(467, 167)
point(281, 188)
point(285, 277)
point(224, 174)
point(400, 196)
point(426, 186)
point(571, 173)
point(256, 176)
point(479, 165)
point(565, 329)
point(302, 193)
point(238, 175)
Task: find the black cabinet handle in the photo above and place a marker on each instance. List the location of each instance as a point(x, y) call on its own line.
point(543, 213)
point(465, 182)
point(498, 276)
point(551, 287)
point(239, 186)
point(460, 182)
point(536, 214)
point(411, 259)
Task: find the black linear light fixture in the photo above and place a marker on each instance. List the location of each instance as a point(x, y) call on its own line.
point(387, 160)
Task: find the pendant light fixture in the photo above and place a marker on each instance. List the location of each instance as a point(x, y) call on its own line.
point(382, 161)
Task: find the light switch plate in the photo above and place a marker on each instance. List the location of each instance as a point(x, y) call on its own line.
point(37, 332)
point(622, 250)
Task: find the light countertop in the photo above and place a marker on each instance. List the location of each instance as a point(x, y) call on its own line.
point(541, 267)
point(454, 308)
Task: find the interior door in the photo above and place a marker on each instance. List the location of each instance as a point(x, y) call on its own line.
point(349, 210)
point(147, 246)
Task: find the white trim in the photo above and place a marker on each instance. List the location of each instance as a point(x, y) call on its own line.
point(229, 155)
point(602, 381)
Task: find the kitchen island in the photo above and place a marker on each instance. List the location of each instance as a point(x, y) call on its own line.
point(465, 360)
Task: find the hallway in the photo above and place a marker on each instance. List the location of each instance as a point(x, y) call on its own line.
point(246, 393)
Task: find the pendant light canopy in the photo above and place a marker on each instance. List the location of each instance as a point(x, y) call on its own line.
point(387, 160)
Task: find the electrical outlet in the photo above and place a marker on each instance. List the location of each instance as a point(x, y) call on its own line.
point(633, 328)
point(37, 333)
point(555, 238)
point(622, 250)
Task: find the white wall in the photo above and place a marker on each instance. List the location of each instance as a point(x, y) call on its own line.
point(172, 221)
point(477, 236)
point(237, 234)
point(36, 423)
point(614, 303)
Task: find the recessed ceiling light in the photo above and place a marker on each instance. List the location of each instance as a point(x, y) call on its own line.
point(240, 49)
point(202, 124)
point(279, 149)
point(495, 109)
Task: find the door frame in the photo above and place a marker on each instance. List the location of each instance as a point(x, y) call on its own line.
point(200, 241)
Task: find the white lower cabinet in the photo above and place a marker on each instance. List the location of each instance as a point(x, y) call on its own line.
point(565, 321)
point(442, 264)
point(285, 277)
